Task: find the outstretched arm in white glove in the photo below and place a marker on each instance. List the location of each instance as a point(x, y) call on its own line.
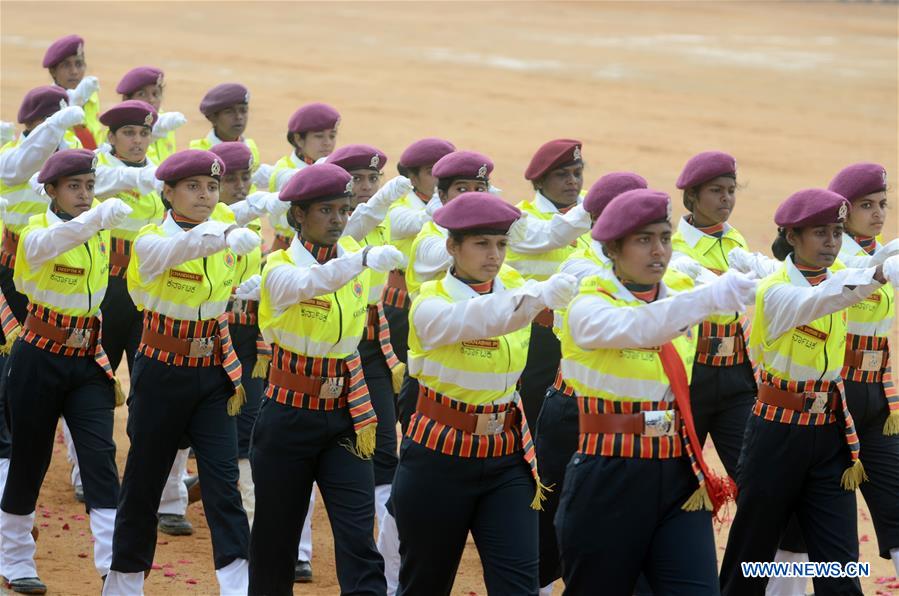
point(20, 163)
point(168, 122)
point(384, 258)
point(111, 180)
point(82, 93)
point(543, 235)
point(249, 289)
point(7, 132)
point(752, 262)
point(241, 240)
point(368, 215)
point(258, 204)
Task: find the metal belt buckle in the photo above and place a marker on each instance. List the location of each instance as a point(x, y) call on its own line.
point(78, 338)
point(238, 306)
point(658, 423)
point(872, 360)
point(490, 424)
point(332, 388)
point(201, 347)
point(724, 346)
point(819, 403)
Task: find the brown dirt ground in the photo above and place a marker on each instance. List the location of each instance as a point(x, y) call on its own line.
point(795, 91)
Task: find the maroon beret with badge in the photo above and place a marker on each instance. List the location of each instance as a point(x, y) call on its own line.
point(552, 155)
point(130, 111)
point(190, 162)
point(610, 186)
point(465, 165)
point(812, 207)
point(41, 102)
point(318, 182)
point(706, 166)
point(477, 211)
point(630, 211)
point(859, 180)
point(223, 96)
point(138, 78)
point(313, 117)
point(68, 162)
point(235, 154)
point(62, 48)
point(425, 152)
point(358, 157)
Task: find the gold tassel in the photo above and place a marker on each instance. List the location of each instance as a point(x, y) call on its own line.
point(260, 369)
point(540, 495)
point(366, 437)
point(10, 340)
point(891, 426)
point(236, 401)
point(853, 475)
point(699, 500)
point(396, 376)
point(119, 394)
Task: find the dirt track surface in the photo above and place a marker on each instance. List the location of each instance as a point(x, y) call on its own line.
point(794, 91)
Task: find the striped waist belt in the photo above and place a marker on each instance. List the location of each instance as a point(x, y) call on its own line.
point(80, 338)
point(191, 347)
point(242, 312)
point(476, 423)
point(865, 360)
point(633, 429)
point(329, 388)
point(9, 243)
point(280, 242)
point(654, 423)
point(561, 386)
point(720, 347)
point(396, 294)
point(813, 402)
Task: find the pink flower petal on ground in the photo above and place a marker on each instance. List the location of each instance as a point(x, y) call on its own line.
point(82, 555)
point(79, 517)
point(45, 515)
point(169, 573)
point(45, 525)
point(65, 527)
point(864, 538)
point(167, 566)
point(162, 542)
point(191, 581)
point(184, 562)
point(155, 566)
point(893, 586)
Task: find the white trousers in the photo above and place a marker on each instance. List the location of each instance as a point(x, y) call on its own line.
point(174, 493)
point(304, 550)
point(787, 586)
point(388, 539)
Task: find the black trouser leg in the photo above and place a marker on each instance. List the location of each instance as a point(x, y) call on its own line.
point(122, 323)
point(722, 398)
point(556, 441)
point(406, 401)
point(244, 338)
point(606, 544)
point(380, 389)
point(544, 353)
point(17, 301)
point(5, 435)
point(880, 456)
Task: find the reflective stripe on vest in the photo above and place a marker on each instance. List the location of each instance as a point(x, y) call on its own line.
point(540, 266)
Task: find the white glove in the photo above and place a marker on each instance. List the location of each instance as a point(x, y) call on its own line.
point(393, 190)
point(262, 200)
point(740, 260)
point(732, 292)
point(167, 123)
point(891, 270)
point(495, 190)
point(433, 205)
point(384, 258)
point(251, 289)
point(242, 240)
point(262, 175)
point(557, 291)
point(7, 132)
point(3, 204)
point(686, 265)
point(80, 94)
point(890, 248)
point(68, 117)
point(112, 213)
point(146, 180)
point(577, 216)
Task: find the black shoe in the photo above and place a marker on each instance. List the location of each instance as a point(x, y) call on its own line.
point(79, 493)
point(192, 484)
point(27, 585)
point(302, 573)
point(174, 525)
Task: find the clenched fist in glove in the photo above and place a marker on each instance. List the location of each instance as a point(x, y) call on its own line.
point(394, 189)
point(7, 132)
point(384, 258)
point(251, 289)
point(111, 213)
point(167, 123)
point(557, 291)
point(242, 240)
point(891, 270)
point(732, 292)
point(80, 94)
point(68, 117)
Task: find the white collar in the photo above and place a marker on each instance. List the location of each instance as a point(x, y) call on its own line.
point(213, 140)
point(796, 277)
point(415, 200)
point(692, 235)
point(596, 246)
point(170, 227)
point(626, 294)
point(459, 290)
point(544, 205)
point(850, 247)
point(300, 256)
point(52, 218)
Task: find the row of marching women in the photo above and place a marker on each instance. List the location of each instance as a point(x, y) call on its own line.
point(556, 366)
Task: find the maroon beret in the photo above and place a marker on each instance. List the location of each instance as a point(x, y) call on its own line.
point(190, 162)
point(321, 181)
point(130, 111)
point(313, 117)
point(68, 162)
point(476, 211)
point(812, 207)
point(62, 48)
point(41, 102)
point(358, 157)
point(630, 211)
point(552, 155)
point(138, 78)
point(223, 96)
point(235, 154)
point(706, 166)
point(610, 186)
point(467, 165)
point(425, 152)
point(859, 180)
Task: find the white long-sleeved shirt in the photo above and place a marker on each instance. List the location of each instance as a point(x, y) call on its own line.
point(118, 177)
point(431, 256)
point(543, 235)
point(45, 244)
point(307, 278)
point(406, 220)
point(21, 162)
point(157, 254)
point(582, 267)
point(368, 215)
point(473, 316)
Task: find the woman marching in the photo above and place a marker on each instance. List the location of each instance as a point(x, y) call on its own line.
point(638, 496)
point(227, 107)
point(186, 380)
point(467, 461)
point(65, 62)
point(147, 83)
point(795, 453)
point(316, 422)
point(722, 389)
point(58, 366)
